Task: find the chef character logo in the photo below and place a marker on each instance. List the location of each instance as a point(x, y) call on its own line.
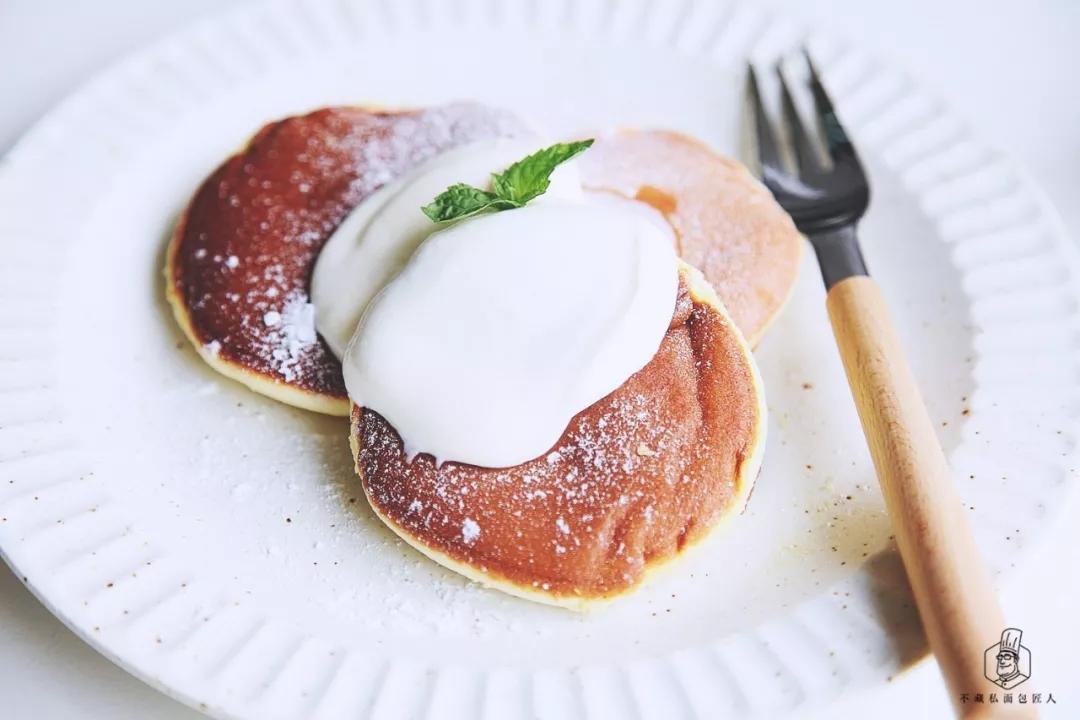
point(1008, 663)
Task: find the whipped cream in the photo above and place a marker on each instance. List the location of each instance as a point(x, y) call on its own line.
point(377, 239)
point(480, 341)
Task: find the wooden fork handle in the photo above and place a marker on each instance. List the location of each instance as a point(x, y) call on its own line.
point(949, 579)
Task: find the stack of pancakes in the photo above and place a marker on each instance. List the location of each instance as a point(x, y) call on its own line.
point(635, 477)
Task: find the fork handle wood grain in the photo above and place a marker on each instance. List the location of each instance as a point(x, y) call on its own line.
point(949, 580)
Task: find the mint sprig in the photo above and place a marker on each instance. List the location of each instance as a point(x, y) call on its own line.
point(523, 181)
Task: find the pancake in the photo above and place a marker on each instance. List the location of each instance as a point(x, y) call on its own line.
point(635, 478)
point(726, 223)
point(239, 263)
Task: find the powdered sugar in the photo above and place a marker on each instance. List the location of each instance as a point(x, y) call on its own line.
point(293, 335)
point(470, 531)
point(597, 464)
point(255, 227)
point(594, 510)
point(727, 224)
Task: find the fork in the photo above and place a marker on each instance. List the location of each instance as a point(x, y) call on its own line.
point(949, 580)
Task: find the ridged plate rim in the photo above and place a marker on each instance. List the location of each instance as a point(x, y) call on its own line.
point(693, 682)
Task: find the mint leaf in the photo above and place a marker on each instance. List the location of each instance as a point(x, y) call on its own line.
point(523, 181)
point(530, 177)
point(461, 201)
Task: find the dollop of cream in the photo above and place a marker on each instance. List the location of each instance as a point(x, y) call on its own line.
point(480, 341)
point(376, 240)
point(501, 328)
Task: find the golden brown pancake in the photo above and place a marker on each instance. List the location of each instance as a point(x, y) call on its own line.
point(239, 263)
point(634, 479)
point(726, 223)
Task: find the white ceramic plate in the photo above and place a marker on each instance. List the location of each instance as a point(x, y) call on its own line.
point(207, 539)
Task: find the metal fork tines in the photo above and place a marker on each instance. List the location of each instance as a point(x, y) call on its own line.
point(826, 199)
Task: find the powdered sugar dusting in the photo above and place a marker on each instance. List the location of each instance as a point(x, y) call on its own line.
point(470, 531)
point(727, 224)
point(292, 336)
point(254, 229)
point(578, 494)
point(588, 515)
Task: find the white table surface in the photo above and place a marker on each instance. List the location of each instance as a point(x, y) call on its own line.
point(1008, 67)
